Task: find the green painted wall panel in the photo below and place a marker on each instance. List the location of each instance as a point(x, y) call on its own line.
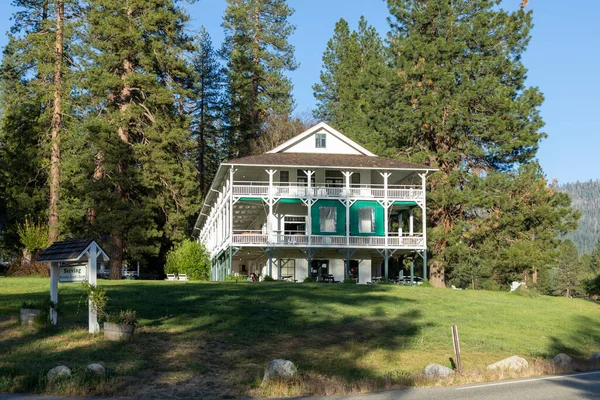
point(340, 228)
point(379, 218)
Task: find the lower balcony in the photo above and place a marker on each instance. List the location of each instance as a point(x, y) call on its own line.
point(259, 239)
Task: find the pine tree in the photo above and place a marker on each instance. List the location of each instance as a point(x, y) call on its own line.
point(35, 70)
point(258, 55)
point(140, 187)
point(570, 271)
point(205, 109)
point(462, 103)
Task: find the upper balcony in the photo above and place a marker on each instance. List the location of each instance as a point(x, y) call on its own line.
point(292, 190)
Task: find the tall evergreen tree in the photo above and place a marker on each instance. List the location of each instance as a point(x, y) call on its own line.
point(140, 187)
point(34, 73)
point(462, 103)
point(570, 271)
point(205, 109)
point(258, 55)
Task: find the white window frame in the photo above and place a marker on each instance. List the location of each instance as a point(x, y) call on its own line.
point(322, 220)
point(362, 218)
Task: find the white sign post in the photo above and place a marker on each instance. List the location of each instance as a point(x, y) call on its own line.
point(73, 260)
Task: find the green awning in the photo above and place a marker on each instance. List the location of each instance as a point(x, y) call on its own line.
point(290, 201)
point(250, 199)
point(406, 203)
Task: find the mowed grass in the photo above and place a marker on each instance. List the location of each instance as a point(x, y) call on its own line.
point(212, 340)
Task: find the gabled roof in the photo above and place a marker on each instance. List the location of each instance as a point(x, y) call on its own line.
point(321, 126)
point(70, 250)
point(311, 160)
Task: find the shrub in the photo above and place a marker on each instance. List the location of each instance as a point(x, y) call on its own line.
point(349, 281)
point(44, 307)
point(268, 278)
point(191, 258)
point(33, 236)
point(592, 286)
point(308, 280)
point(126, 317)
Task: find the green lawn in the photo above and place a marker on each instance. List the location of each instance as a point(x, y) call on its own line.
point(213, 339)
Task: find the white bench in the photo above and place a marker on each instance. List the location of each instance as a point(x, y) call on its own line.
point(183, 277)
point(171, 277)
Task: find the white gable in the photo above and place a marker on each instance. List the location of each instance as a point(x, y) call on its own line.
point(335, 143)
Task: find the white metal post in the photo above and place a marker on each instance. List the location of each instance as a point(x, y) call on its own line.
point(93, 326)
point(424, 222)
point(386, 205)
point(309, 196)
point(53, 290)
point(411, 221)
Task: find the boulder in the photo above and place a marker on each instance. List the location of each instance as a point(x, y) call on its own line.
point(562, 360)
point(278, 369)
point(595, 357)
point(437, 371)
point(96, 369)
point(59, 372)
point(513, 363)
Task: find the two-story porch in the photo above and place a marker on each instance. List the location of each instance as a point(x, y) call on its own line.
point(336, 210)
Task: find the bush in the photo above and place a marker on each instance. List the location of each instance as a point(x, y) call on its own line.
point(189, 258)
point(349, 281)
point(268, 278)
point(592, 286)
point(308, 280)
point(127, 317)
point(33, 236)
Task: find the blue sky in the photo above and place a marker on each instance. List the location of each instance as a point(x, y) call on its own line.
point(562, 59)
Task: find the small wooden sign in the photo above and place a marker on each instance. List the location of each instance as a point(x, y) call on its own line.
point(72, 273)
point(456, 347)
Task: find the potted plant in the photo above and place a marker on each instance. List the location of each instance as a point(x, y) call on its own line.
point(120, 326)
point(29, 312)
point(37, 312)
point(117, 326)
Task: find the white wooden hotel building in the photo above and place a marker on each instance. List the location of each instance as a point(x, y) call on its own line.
point(318, 206)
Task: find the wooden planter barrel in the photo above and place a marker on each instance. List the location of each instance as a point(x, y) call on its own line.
point(28, 315)
point(118, 331)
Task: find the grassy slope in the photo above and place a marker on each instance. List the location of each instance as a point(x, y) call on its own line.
point(214, 338)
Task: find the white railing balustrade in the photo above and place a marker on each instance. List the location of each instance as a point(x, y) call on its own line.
point(293, 190)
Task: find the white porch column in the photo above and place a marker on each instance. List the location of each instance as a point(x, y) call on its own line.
point(400, 222)
point(347, 175)
point(93, 326)
point(270, 217)
point(386, 205)
point(411, 221)
point(309, 196)
point(53, 290)
point(424, 222)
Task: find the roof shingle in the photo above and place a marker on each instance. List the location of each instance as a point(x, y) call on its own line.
point(324, 160)
point(65, 250)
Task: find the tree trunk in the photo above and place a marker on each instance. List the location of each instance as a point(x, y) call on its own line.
point(202, 143)
point(436, 276)
point(116, 256)
point(56, 126)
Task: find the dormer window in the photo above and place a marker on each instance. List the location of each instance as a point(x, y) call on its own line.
point(320, 140)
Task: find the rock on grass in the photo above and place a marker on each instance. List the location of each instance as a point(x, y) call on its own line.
point(59, 372)
point(513, 363)
point(437, 371)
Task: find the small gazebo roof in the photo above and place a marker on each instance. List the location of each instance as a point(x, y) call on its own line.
point(70, 250)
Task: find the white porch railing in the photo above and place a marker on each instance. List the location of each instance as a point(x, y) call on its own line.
point(257, 238)
point(293, 190)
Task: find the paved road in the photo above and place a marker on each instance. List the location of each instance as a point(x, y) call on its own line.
point(585, 385)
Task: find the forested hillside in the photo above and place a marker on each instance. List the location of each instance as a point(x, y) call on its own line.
point(585, 197)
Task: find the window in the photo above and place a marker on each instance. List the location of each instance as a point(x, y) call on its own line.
point(356, 178)
point(320, 140)
point(284, 178)
point(328, 218)
point(288, 270)
point(366, 220)
point(303, 179)
point(294, 225)
point(334, 178)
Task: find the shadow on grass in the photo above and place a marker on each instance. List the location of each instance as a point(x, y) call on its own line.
point(585, 335)
point(213, 340)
